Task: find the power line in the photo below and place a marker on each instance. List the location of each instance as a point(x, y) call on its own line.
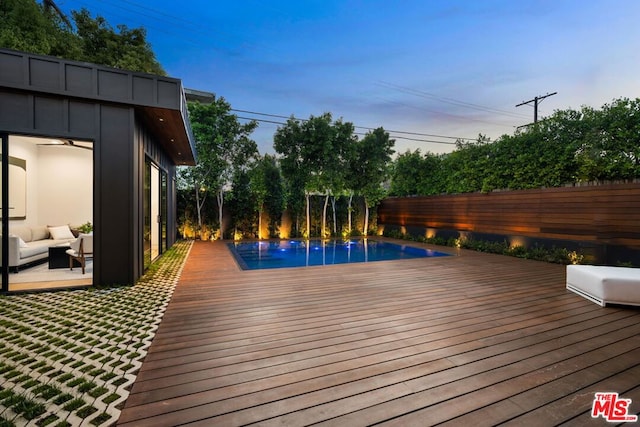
point(445, 114)
point(391, 133)
point(132, 7)
point(206, 97)
point(451, 101)
point(357, 127)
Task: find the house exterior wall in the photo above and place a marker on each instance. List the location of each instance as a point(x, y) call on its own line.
point(150, 148)
point(49, 97)
point(115, 209)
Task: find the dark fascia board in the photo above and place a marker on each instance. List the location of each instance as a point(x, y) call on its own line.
point(199, 95)
point(154, 97)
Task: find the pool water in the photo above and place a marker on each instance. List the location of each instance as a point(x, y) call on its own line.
point(300, 253)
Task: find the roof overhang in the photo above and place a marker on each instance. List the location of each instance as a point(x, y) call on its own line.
point(172, 130)
point(159, 101)
point(199, 95)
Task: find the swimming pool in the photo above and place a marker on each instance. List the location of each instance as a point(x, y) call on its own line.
point(301, 253)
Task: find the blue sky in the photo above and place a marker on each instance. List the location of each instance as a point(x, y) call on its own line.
point(454, 69)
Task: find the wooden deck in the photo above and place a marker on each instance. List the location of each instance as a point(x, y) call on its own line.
point(472, 339)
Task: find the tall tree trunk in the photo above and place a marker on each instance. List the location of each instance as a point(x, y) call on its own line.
point(198, 207)
point(306, 195)
point(220, 197)
point(349, 212)
point(333, 208)
point(199, 203)
point(324, 214)
point(259, 223)
point(366, 217)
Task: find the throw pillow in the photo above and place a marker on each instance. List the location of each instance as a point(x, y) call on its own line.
point(62, 232)
point(39, 232)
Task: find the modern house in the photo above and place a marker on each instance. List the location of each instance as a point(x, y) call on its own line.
point(83, 143)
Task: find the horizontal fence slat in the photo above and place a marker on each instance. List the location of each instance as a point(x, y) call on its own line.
point(605, 214)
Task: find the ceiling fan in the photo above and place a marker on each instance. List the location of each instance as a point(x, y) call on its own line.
point(67, 143)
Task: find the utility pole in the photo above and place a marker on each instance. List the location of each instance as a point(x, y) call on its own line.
point(535, 101)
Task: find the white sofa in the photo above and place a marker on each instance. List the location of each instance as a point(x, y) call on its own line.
point(31, 243)
point(605, 285)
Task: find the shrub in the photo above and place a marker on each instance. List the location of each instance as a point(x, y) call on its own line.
point(536, 252)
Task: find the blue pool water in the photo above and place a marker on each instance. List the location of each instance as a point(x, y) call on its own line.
point(299, 253)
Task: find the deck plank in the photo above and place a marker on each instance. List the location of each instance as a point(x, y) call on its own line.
point(473, 336)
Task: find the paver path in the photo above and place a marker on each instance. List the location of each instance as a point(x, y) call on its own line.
point(69, 358)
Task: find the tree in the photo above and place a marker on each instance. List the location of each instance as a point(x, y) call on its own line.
point(267, 190)
point(351, 180)
point(467, 166)
point(370, 169)
point(610, 151)
point(320, 155)
point(344, 147)
point(241, 204)
point(312, 153)
point(26, 25)
point(432, 179)
point(407, 171)
point(125, 48)
point(29, 26)
point(287, 141)
point(223, 147)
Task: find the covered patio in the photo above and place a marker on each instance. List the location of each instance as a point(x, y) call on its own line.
point(467, 339)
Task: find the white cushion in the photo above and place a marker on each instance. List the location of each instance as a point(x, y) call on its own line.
point(601, 284)
point(39, 232)
point(35, 248)
point(87, 245)
point(61, 232)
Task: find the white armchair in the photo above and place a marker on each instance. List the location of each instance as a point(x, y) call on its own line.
point(81, 249)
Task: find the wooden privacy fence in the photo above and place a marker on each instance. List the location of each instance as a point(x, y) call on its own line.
point(604, 217)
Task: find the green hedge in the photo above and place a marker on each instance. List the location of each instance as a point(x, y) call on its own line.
point(539, 253)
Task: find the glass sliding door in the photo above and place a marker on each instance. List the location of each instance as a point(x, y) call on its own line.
point(153, 223)
point(147, 215)
point(155, 212)
point(164, 205)
point(4, 212)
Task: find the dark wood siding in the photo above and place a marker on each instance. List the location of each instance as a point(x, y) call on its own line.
point(127, 116)
point(115, 213)
point(154, 151)
point(30, 114)
point(24, 71)
point(41, 84)
point(605, 214)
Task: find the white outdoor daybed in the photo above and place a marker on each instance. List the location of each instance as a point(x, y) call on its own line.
point(605, 285)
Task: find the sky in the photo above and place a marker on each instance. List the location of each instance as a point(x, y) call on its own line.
point(428, 71)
